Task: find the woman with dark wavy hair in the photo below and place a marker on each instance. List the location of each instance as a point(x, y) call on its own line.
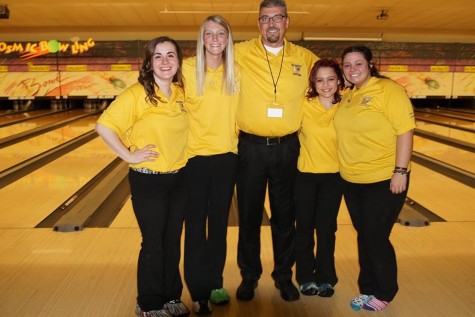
point(318, 188)
point(147, 127)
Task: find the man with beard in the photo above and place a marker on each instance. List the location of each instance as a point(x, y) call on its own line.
point(273, 84)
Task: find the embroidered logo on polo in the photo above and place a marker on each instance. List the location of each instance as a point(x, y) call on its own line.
point(297, 69)
point(181, 104)
point(365, 100)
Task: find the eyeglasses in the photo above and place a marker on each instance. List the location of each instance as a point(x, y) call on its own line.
point(276, 18)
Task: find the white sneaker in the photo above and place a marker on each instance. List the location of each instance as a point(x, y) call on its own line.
point(176, 308)
point(151, 313)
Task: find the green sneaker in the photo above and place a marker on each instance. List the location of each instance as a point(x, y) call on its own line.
point(219, 296)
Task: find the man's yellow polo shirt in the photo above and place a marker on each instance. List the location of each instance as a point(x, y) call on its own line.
point(367, 123)
point(290, 74)
point(140, 123)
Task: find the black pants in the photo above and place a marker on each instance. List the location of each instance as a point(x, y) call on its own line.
point(317, 202)
point(159, 203)
point(374, 210)
point(211, 181)
point(259, 165)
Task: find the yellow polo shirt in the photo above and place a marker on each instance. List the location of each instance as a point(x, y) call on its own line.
point(318, 148)
point(259, 111)
point(367, 124)
point(212, 115)
point(140, 123)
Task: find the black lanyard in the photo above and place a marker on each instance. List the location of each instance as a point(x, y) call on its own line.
point(275, 82)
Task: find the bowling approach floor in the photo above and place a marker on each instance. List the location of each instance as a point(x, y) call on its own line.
point(93, 272)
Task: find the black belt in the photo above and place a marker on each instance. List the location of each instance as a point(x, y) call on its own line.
point(145, 170)
point(272, 140)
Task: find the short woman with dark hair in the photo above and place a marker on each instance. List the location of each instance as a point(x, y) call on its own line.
point(318, 188)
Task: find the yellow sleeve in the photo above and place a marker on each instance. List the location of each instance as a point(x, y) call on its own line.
point(398, 108)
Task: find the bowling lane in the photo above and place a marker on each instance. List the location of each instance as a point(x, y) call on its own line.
point(38, 122)
point(35, 196)
point(451, 113)
point(440, 194)
point(450, 132)
point(24, 115)
point(447, 198)
point(19, 152)
point(446, 120)
point(445, 153)
point(125, 218)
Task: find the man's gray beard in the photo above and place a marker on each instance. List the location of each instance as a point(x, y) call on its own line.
point(273, 38)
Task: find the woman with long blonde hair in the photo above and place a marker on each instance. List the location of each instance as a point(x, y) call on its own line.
point(211, 100)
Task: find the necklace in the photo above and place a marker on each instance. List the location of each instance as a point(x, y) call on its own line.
point(212, 79)
point(213, 65)
point(275, 82)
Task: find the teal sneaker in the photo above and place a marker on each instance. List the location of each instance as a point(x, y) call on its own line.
point(359, 301)
point(219, 296)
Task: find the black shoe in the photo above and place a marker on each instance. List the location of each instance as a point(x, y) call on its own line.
point(245, 291)
point(201, 307)
point(325, 290)
point(288, 291)
point(309, 289)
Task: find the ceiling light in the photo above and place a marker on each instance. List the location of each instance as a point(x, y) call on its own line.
point(228, 12)
point(4, 11)
point(383, 15)
point(166, 11)
point(364, 37)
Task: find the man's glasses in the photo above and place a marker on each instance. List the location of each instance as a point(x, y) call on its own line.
point(276, 18)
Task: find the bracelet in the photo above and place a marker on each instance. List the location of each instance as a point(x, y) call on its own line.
point(400, 170)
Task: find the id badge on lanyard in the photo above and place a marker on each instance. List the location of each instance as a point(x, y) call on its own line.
point(275, 110)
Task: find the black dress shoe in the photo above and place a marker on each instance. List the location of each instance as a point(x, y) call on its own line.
point(288, 291)
point(245, 291)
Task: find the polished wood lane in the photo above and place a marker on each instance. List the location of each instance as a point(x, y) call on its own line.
point(125, 218)
point(38, 122)
point(449, 112)
point(21, 151)
point(451, 132)
point(448, 154)
point(93, 273)
point(442, 195)
point(32, 198)
point(447, 120)
point(23, 115)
